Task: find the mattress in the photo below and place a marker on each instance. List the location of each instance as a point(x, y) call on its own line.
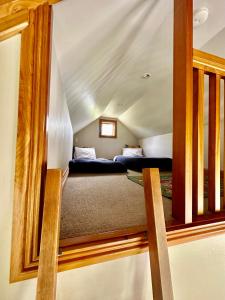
point(98, 165)
point(137, 163)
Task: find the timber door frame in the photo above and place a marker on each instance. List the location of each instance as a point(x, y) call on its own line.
point(31, 19)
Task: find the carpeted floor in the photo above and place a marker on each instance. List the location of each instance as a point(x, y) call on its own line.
point(101, 203)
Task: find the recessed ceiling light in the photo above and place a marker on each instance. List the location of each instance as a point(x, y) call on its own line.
point(146, 75)
point(200, 16)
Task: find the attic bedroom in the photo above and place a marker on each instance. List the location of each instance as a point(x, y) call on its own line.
point(112, 79)
point(112, 154)
point(111, 92)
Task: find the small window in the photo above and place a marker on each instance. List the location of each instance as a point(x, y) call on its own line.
point(107, 128)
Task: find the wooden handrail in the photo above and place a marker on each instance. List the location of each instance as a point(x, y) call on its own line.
point(209, 63)
point(48, 260)
point(214, 67)
point(158, 249)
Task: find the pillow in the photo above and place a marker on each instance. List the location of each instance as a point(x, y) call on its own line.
point(132, 152)
point(85, 153)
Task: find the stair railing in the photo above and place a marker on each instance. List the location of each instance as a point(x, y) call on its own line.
point(48, 259)
point(156, 229)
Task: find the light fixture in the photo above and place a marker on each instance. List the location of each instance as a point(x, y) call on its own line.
point(200, 16)
point(146, 75)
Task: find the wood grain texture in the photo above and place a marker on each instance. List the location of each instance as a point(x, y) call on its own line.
point(182, 110)
point(91, 250)
point(158, 249)
point(198, 142)
point(10, 7)
point(13, 24)
point(48, 260)
point(209, 63)
point(31, 140)
point(214, 143)
point(224, 142)
point(54, 1)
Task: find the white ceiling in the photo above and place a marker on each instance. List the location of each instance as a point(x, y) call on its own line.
point(105, 46)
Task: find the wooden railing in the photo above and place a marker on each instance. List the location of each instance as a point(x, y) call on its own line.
point(48, 260)
point(190, 69)
point(156, 229)
point(213, 67)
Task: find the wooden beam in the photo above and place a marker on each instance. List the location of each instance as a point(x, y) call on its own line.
point(12, 6)
point(13, 24)
point(224, 144)
point(182, 110)
point(158, 249)
point(198, 142)
point(214, 143)
point(48, 261)
point(31, 166)
point(51, 2)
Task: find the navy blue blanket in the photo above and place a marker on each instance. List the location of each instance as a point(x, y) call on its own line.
point(96, 166)
point(137, 163)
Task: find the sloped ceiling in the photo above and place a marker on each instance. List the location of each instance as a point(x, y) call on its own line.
point(103, 49)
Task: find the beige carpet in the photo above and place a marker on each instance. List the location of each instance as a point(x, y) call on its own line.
point(101, 203)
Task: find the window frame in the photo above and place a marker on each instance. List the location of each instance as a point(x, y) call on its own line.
point(105, 120)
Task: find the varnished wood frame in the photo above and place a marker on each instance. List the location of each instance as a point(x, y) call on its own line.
point(25, 239)
point(31, 19)
point(109, 246)
point(48, 259)
point(102, 120)
point(182, 110)
point(158, 250)
point(198, 142)
point(214, 67)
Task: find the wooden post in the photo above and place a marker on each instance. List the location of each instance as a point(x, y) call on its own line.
point(48, 261)
point(224, 145)
point(198, 142)
point(214, 143)
point(158, 249)
point(182, 110)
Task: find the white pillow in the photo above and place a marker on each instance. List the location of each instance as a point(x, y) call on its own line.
point(85, 153)
point(132, 152)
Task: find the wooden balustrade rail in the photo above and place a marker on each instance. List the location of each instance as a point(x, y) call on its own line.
point(191, 66)
point(205, 64)
point(158, 249)
point(48, 260)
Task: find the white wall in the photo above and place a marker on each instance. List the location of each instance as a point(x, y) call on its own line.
point(158, 146)
point(60, 133)
point(105, 147)
point(198, 273)
point(9, 75)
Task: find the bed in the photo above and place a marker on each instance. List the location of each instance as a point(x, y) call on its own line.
point(137, 163)
point(98, 165)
